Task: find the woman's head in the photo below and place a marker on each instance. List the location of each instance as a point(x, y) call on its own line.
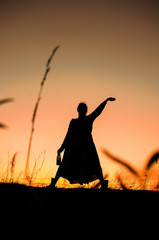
point(82, 109)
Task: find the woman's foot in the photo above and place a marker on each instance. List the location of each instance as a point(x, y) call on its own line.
point(53, 183)
point(104, 184)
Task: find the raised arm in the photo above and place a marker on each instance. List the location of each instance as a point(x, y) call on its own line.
point(100, 108)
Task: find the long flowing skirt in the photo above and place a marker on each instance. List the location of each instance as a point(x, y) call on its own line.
point(80, 163)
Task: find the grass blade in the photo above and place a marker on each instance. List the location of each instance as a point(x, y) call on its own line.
point(6, 100)
point(152, 160)
point(120, 161)
point(2, 125)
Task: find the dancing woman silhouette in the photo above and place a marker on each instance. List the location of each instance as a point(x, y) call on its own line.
point(80, 162)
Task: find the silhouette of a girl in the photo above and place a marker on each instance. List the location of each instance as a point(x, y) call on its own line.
point(80, 162)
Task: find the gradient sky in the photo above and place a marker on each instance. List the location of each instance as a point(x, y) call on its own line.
point(108, 48)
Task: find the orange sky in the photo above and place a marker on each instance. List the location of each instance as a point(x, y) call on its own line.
point(108, 48)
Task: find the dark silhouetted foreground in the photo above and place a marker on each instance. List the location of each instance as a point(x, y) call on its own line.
point(77, 213)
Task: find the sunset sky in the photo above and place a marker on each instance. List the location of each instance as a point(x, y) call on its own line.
point(107, 48)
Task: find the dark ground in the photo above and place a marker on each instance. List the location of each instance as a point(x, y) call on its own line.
point(77, 213)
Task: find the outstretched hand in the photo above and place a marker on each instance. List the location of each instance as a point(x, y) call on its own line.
point(111, 99)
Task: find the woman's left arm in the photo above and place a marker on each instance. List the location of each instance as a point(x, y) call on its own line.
point(66, 139)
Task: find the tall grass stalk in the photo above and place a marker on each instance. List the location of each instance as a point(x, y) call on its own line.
point(35, 110)
point(13, 161)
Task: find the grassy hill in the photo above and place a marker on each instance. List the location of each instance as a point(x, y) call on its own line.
point(77, 213)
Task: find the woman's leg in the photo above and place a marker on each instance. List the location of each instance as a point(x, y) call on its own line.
point(101, 178)
point(54, 180)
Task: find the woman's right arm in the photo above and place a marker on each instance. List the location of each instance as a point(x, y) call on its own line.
point(100, 108)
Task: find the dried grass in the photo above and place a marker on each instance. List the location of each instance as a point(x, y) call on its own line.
point(13, 161)
point(142, 178)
